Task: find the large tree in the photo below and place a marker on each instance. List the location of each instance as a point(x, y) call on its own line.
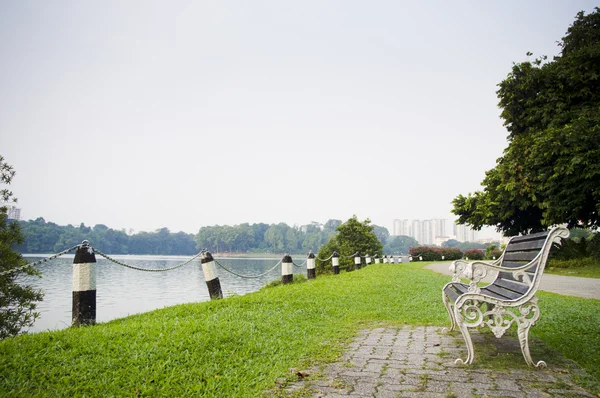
point(550, 172)
point(17, 300)
point(353, 236)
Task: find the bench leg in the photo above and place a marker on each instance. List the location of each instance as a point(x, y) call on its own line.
point(523, 332)
point(468, 342)
point(450, 312)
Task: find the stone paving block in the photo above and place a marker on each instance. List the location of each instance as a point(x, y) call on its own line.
point(419, 362)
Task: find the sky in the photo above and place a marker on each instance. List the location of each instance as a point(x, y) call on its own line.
point(181, 114)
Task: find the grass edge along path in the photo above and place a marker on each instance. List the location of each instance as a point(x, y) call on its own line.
point(240, 346)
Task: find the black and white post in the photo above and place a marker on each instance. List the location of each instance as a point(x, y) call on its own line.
point(377, 259)
point(287, 274)
point(357, 263)
point(367, 259)
point(210, 276)
point(392, 259)
point(310, 266)
point(84, 285)
point(335, 263)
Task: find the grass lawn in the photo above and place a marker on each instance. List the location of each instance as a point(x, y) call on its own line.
point(240, 346)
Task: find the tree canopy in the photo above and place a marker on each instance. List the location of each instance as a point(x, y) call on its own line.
point(550, 172)
point(17, 299)
point(352, 236)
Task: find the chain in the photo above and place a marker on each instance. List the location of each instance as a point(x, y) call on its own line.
point(36, 263)
point(301, 265)
point(246, 276)
point(351, 256)
point(327, 259)
point(147, 269)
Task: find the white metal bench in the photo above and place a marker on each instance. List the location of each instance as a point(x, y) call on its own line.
point(509, 298)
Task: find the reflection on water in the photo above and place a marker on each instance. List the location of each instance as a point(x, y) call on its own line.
point(122, 291)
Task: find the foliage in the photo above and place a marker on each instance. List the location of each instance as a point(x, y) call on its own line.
point(474, 254)
point(240, 346)
point(382, 234)
point(17, 300)
point(451, 253)
point(47, 237)
point(594, 246)
point(451, 243)
point(586, 267)
point(550, 171)
point(400, 244)
point(353, 236)
point(427, 252)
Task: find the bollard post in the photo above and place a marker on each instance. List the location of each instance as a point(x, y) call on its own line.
point(210, 276)
point(287, 274)
point(310, 266)
point(357, 263)
point(377, 259)
point(385, 260)
point(335, 263)
point(84, 285)
point(392, 259)
point(400, 259)
point(367, 259)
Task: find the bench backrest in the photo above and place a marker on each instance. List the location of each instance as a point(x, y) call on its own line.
point(520, 251)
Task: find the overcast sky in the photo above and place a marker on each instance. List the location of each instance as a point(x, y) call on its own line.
point(182, 114)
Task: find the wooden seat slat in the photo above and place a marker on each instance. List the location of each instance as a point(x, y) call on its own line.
point(513, 285)
point(501, 292)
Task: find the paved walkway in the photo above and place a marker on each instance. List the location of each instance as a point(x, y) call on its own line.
point(419, 362)
point(565, 285)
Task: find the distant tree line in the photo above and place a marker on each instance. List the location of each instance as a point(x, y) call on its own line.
point(42, 236)
point(47, 237)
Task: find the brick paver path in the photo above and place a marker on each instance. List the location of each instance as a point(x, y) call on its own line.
point(419, 362)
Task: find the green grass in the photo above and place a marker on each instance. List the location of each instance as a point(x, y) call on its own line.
point(240, 346)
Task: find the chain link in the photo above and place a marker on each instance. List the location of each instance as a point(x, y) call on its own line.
point(147, 269)
point(301, 265)
point(246, 276)
point(36, 263)
point(327, 259)
point(350, 256)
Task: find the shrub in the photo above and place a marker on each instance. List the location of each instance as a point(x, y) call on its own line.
point(574, 263)
point(594, 246)
point(428, 253)
point(451, 253)
point(494, 254)
point(474, 254)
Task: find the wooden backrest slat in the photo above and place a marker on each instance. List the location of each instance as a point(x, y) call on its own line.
point(537, 235)
point(525, 246)
point(520, 256)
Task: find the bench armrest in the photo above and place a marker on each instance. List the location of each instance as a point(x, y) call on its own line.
point(475, 271)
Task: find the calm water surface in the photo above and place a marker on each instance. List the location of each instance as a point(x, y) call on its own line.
point(122, 291)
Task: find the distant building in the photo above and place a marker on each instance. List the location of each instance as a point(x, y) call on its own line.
point(401, 227)
point(426, 232)
point(464, 233)
point(12, 212)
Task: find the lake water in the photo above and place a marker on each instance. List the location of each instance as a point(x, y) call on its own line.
point(122, 291)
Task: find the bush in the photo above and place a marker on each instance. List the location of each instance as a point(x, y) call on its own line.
point(593, 246)
point(494, 254)
point(574, 263)
point(474, 254)
point(451, 253)
point(428, 253)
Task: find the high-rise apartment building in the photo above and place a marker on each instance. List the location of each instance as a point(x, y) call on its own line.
point(401, 227)
point(12, 212)
point(426, 232)
point(464, 233)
